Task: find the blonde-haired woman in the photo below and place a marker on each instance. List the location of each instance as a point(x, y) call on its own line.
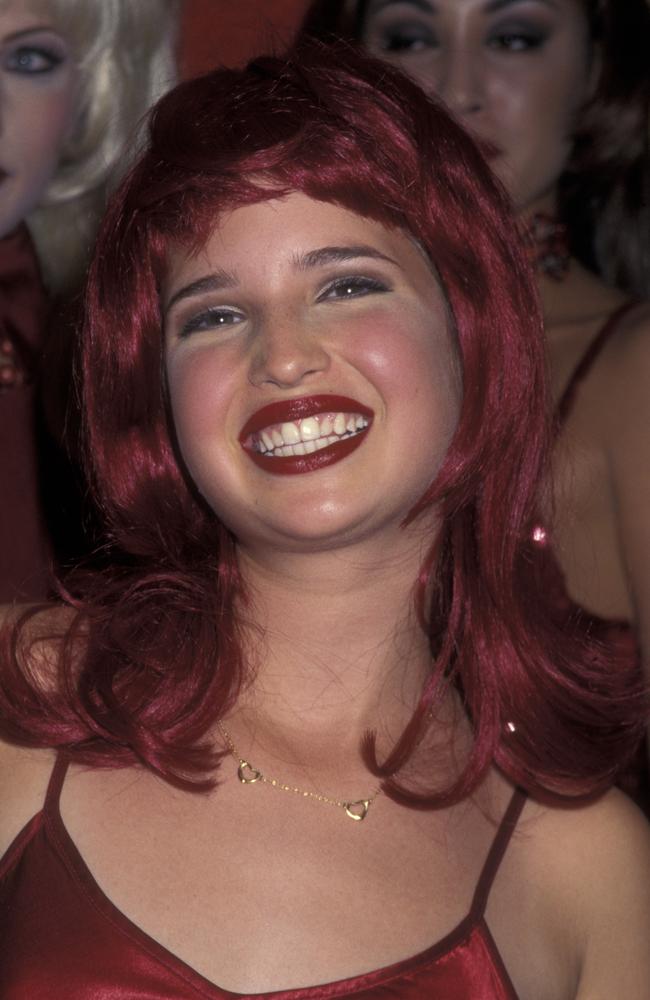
point(76, 78)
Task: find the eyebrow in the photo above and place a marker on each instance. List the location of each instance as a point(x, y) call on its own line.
point(49, 28)
point(429, 6)
point(334, 255)
point(495, 5)
point(213, 282)
point(219, 279)
point(423, 5)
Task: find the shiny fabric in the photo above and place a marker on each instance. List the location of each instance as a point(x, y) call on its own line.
point(23, 549)
point(62, 939)
point(616, 634)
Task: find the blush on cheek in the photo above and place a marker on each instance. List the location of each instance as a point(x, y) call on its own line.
point(413, 358)
point(198, 395)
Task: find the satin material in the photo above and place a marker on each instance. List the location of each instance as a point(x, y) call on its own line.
point(62, 939)
point(23, 548)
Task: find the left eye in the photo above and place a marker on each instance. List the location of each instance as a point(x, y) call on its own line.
point(352, 288)
point(516, 41)
point(210, 319)
point(33, 60)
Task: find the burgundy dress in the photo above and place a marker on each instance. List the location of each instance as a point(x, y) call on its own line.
point(23, 546)
point(61, 938)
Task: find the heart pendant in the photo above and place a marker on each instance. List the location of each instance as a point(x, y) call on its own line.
point(247, 774)
point(357, 810)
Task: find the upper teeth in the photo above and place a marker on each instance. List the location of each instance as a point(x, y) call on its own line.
point(301, 437)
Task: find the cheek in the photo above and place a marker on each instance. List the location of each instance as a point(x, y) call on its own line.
point(414, 369)
point(537, 112)
point(35, 130)
point(408, 358)
point(204, 387)
point(200, 386)
point(49, 125)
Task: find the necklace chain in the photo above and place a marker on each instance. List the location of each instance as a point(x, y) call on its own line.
point(357, 810)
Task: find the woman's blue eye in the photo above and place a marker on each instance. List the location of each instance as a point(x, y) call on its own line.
point(33, 59)
point(352, 288)
point(210, 319)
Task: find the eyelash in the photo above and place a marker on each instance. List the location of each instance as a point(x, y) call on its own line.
point(516, 41)
point(16, 61)
point(406, 38)
point(353, 286)
point(414, 38)
point(209, 319)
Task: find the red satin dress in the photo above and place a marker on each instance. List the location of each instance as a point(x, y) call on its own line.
point(617, 634)
point(61, 938)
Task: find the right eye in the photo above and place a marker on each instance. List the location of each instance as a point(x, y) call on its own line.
point(32, 60)
point(214, 318)
point(404, 37)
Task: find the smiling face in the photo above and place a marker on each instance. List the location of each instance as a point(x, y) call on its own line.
point(516, 73)
point(312, 377)
point(37, 107)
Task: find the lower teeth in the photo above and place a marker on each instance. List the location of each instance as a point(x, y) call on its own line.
point(277, 452)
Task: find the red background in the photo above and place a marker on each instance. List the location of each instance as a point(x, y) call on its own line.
point(229, 32)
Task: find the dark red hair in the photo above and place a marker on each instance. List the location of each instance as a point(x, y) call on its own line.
point(160, 659)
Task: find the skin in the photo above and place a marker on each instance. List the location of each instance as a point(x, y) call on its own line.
point(516, 77)
point(330, 573)
point(38, 94)
point(281, 329)
point(517, 74)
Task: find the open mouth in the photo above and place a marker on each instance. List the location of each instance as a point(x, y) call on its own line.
point(330, 429)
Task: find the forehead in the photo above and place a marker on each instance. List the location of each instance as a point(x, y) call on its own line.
point(19, 10)
point(82, 22)
point(279, 232)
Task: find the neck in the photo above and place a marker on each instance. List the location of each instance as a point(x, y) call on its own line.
point(568, 293)
point(341, 652)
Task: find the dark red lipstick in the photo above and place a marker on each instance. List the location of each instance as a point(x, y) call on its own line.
point(291, 410)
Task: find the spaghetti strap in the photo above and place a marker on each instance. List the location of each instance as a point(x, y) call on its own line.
point(55, 783)
point(583, 367)
point(497, 851)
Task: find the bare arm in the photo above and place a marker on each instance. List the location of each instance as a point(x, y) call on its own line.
point(614, 903)
point(25, 771)
point(628, 450)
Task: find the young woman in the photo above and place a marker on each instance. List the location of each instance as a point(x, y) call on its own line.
point(315, 403)
point(557, 94)
point(76, 77)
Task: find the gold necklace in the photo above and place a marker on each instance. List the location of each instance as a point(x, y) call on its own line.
point(249, 775)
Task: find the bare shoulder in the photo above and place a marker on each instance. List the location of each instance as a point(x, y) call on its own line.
point(24, 775)
point(595, 861)
point(591, 846)
point(628, 350)
point(624, 414)
point(25, 771)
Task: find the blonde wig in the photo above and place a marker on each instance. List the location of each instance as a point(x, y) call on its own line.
point(124, 51)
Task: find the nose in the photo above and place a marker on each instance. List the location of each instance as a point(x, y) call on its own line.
point(460, 80)
point(286, 354)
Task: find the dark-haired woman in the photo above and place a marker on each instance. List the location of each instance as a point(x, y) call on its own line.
point(558, 95)
point(317, 435)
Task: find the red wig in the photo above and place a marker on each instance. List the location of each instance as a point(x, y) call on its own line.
point(161, 658)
